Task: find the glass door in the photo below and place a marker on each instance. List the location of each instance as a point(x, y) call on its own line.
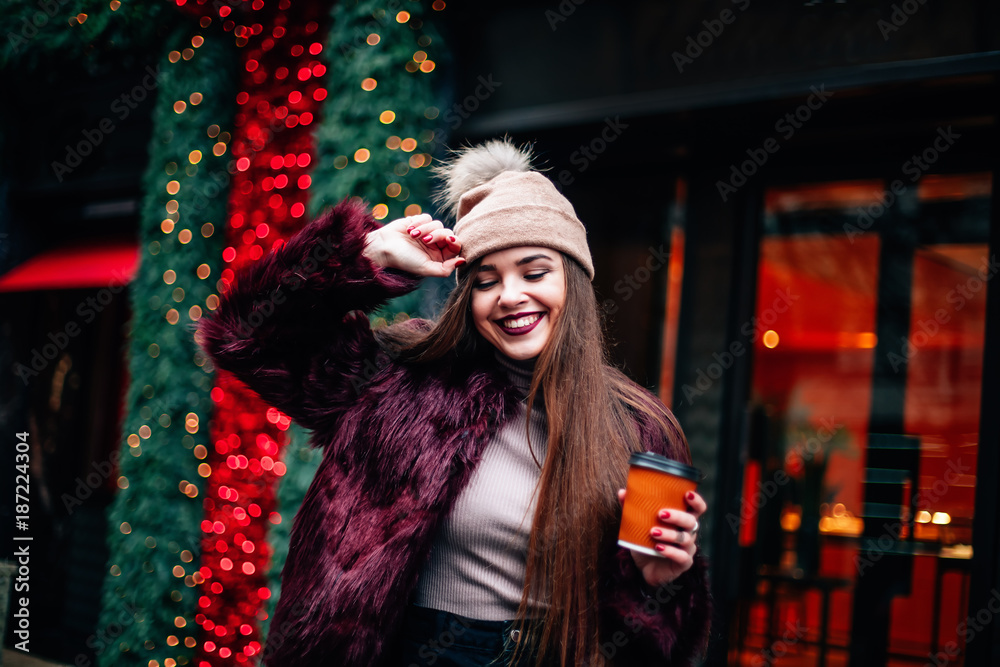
point(858, 494)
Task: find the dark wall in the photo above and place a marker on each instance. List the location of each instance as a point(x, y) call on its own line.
point(553, 52)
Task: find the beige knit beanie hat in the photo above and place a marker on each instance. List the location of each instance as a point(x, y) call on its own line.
point(500, 202)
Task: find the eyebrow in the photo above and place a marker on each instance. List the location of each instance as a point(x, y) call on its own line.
point(520, 262)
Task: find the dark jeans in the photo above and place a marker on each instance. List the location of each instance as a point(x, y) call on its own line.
point(441, 639)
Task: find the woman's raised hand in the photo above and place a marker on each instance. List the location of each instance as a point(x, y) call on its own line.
point(418, 244)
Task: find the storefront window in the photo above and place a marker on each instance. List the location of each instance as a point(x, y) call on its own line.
point(825, 475)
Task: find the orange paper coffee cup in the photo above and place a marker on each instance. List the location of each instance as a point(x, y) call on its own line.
point(654, 483)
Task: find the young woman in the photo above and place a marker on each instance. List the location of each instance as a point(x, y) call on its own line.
point(467, 505)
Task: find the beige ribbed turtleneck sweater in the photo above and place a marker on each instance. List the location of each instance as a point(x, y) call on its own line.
point(477, 563)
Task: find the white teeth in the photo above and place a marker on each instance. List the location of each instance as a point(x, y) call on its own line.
point(520, 322)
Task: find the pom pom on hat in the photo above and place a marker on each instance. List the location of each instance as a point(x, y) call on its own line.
point(472, 166)
point(500, 202)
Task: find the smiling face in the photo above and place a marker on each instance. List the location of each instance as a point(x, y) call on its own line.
point(517, 297)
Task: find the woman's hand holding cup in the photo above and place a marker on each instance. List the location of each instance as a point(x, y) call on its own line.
point(417, 244)
point(660, 516)
point(674, 537)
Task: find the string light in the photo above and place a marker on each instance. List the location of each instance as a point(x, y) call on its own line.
point(272, 151)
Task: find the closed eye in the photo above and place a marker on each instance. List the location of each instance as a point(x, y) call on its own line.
point(535, 276)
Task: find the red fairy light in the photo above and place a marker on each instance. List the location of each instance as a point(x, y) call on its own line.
point(272, 149)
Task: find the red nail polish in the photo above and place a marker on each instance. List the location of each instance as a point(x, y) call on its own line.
point(414, 233)
point(427, 238)
point(451, 238)
point(410, 228)
point(664, 515)
point(656, 532)
point(690, 495)
point(661, 548)
point(460, 262)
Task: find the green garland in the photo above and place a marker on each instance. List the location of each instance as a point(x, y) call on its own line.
point(94, 34)
point(376, 142)
point(150, 593)
point(402, 92)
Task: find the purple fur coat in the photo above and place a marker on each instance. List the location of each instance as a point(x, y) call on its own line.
point(400, 442)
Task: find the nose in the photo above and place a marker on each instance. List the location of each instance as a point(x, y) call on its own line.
point(511, 294)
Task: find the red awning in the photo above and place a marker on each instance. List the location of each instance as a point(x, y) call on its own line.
point(83, 265)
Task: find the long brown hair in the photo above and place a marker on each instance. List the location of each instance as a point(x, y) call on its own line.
point(590, 407)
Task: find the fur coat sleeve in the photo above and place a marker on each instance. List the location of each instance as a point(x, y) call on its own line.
point(306, 296)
